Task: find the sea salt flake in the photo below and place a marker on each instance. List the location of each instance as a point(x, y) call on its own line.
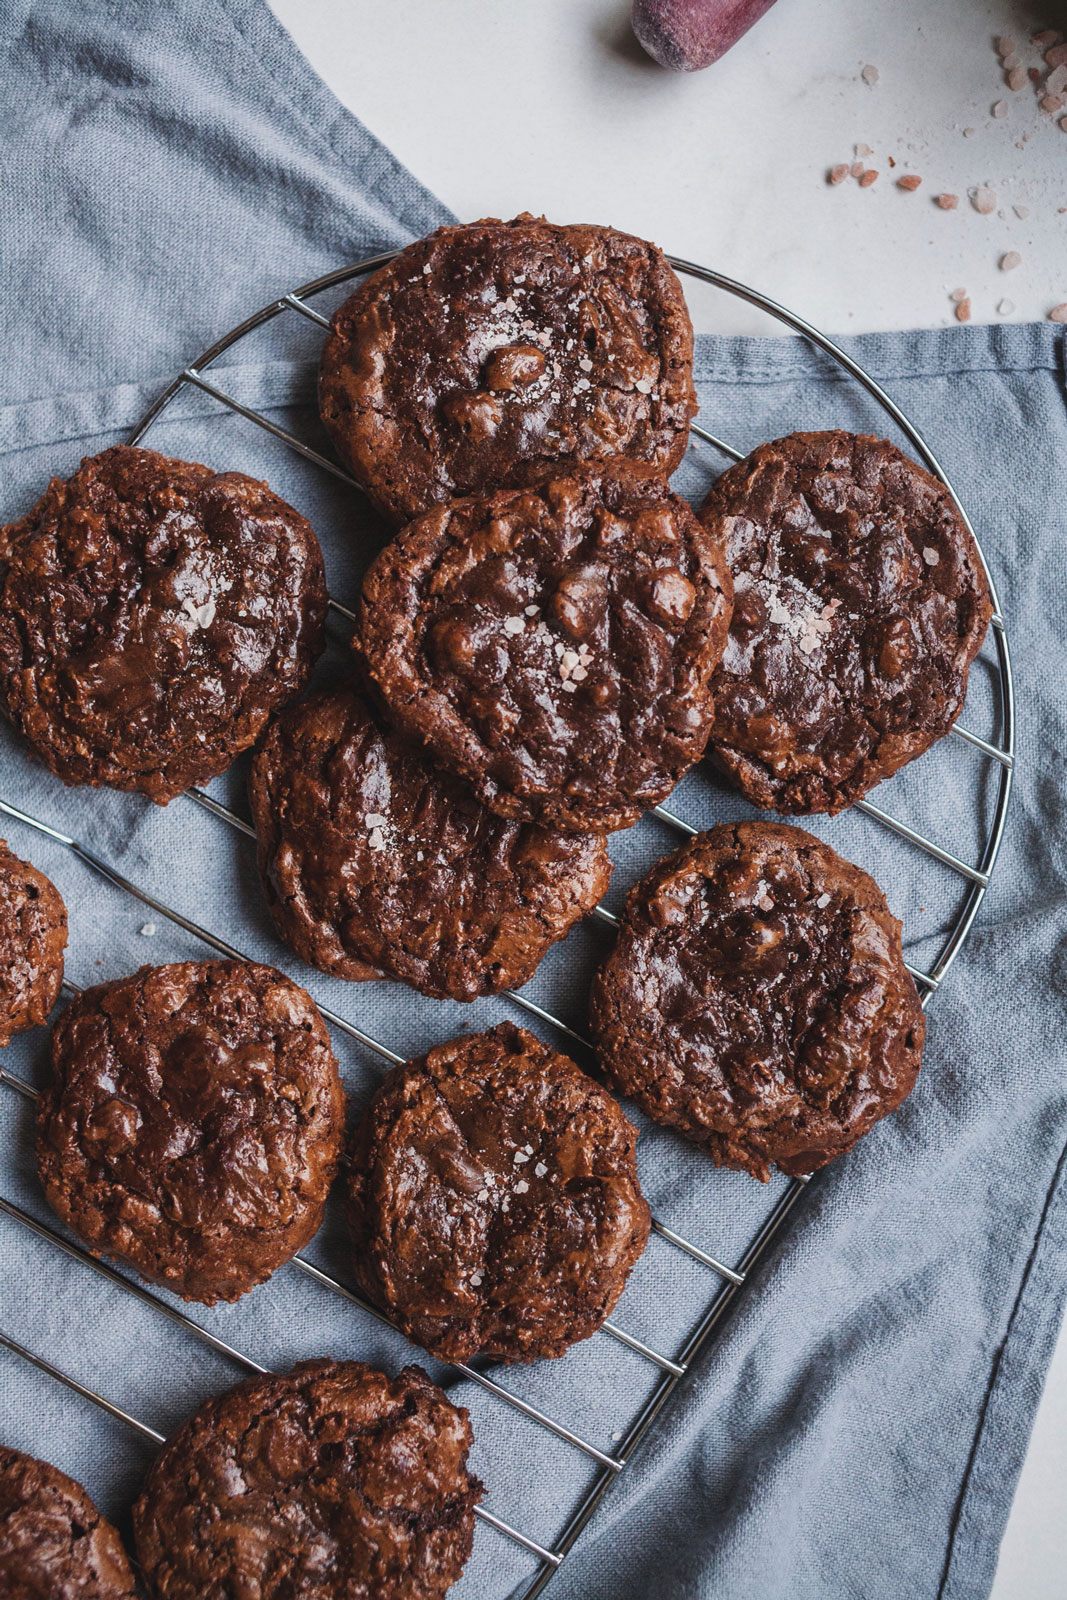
point(930, 556)
point(581, 384)
point(869, 74)
point(1006, 307)
point(765, 903)
point(505, 1204)
point(476, 1280)
point(571, 688)
point(644, 385)
point(147, 929)
point(514, 625)
point(585, 364)
point(540, 1170)
point(483, 1195)
point(521, 1187)
point(823, 901)
point(374, 819)
point(1010, 260)
point(427, 269)
point(983, 200)
point(519, 1157)
point(533, 611)
point(1000, 110)
point(1058, 313)
point(579, 672)
point(376, 839)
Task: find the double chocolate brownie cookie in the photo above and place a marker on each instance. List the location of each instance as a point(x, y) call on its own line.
point(554, 646)
point(152, 615)
point(376, 863)
point(860, 603)
point(486, 354)
point(757, 999)
point(54, 1544)
point(33, 936)
point(333, 1482)
point(493, 1199)
point(193, 1124)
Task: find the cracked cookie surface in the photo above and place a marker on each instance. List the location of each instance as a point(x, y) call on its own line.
point(757, 999)
point(493, 1199)
point(376, 863)
point(54, 1544)
point(554, 646)
point(332, 1482)
point(193, 1123)
point(486, 354)
point(860, 602)
point(33, 936)
point(152, 615)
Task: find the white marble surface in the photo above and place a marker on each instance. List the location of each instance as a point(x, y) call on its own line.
point(547, 105)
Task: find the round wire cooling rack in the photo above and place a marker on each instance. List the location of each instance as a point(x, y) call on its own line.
point(548, 1553)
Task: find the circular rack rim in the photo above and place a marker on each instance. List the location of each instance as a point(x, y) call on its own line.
point(1004, 753)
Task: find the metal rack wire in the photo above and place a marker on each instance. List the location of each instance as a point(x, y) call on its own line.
point(728, 1281)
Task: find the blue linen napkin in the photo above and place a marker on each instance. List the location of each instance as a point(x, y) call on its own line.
point(858, 1426)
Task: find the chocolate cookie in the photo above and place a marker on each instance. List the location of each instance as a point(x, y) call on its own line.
point(33, 936)
point(333, 1482)
point(757, 999)
point(54, 1544)
point(193, 1124)
point(860, 603)
point(377, 864)
point(486, 354)
point(152, 615)
point(554, 646)
point(493, 1199)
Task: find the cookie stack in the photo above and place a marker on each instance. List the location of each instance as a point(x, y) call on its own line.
point(549, 642)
